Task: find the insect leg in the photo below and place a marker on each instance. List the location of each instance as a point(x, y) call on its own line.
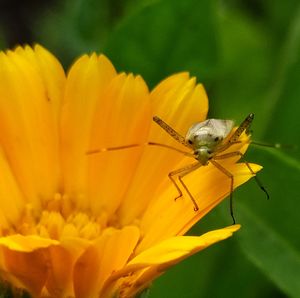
point(234, 139)
point(231, 177)
point(180, 178)
point(223, 147)
point(244, 126)
point(181, 173)
point(238, 153)
point(174, 134)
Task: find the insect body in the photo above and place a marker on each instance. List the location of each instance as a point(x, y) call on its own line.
point(206, 136)
point(206, 139)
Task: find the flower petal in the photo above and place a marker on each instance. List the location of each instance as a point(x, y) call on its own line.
point(29, 134)
point(51, 72)
point(62, 260)
point(179, 102)
point(27, 244)
point(87, 80)
point(154, 261)
point(123, 117)
point(173, 249)
point(27, 270)
point(24, 261)
point(214, 187)
point(102, 258)
point(11, 198)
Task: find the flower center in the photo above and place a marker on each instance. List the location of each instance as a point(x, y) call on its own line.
point(60, 218)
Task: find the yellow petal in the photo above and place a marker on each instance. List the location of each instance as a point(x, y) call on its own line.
point(154, 261)
point(123, 117)
point(27, 270)
point(25, 261)
point(28, 126)
point(87, 80)
point(180, 102)
point(101, 259)
point(27, 244)
point(62, 260)
point(209, 187)
point(11, 199)
point(51, 72)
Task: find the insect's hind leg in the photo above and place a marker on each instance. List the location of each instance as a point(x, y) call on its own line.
point(181, 173)
point(238, 153)
point(231, 177)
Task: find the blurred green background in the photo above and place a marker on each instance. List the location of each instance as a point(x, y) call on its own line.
point(247, 53)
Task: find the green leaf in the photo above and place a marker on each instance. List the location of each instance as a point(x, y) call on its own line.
point(284, 94)
point(246, 68)
point(74, 27)
point(163, 37)
point(276, 257)
point(271, 238)
point(270, 233)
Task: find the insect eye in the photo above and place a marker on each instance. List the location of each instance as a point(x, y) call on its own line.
point(217, 139)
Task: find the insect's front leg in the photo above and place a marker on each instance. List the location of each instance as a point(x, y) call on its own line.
point(231, 177)
point(181, 173)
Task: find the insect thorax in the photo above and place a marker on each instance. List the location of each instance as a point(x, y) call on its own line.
point(204, 137)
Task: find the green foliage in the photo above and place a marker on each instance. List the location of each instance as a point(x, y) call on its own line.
point(248, 55)
point(161, 33)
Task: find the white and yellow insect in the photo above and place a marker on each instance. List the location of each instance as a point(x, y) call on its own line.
point(206, 142)
point(205, 139)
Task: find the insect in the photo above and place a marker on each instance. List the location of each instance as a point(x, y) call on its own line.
point(205, 139)
point(207, 142)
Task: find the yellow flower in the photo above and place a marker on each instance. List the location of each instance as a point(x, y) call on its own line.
point(100, 225)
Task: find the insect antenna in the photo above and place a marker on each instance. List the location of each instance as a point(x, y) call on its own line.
point(96, 151)
point(244, 126)
point(174, 134)
point(275, 145)
point(234, 138)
